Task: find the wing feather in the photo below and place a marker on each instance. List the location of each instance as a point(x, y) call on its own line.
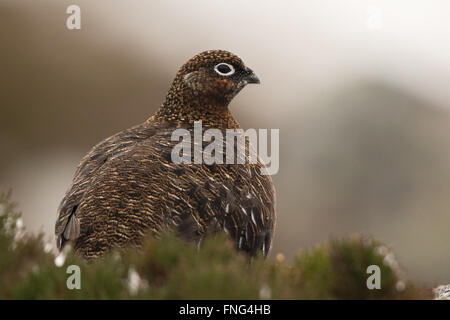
point(67, 225)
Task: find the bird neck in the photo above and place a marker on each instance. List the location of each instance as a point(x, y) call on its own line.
point(183, 108)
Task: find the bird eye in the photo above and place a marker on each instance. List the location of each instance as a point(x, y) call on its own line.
point(224, 69)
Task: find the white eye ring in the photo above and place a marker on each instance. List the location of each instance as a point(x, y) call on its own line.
point(226, 74)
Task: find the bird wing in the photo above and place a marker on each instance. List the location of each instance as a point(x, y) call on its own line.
point(125, 189)
point(67, 225)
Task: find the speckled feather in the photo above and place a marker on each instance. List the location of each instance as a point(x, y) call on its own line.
point(127, 187)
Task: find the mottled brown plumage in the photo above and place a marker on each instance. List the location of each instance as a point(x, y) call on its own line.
point(128, 187)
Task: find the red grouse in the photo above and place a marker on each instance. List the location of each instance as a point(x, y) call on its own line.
point(127, 187)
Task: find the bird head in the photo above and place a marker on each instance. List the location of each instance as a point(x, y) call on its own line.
point(203, 88)
point(214, 77)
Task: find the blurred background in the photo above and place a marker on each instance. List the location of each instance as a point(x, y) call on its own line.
point(358, 89)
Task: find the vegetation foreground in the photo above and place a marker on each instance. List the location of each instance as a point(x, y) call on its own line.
point(169, 268)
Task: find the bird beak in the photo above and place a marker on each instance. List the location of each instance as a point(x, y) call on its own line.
point(252, 77)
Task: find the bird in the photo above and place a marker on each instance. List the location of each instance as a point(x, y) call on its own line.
point(127, 188)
